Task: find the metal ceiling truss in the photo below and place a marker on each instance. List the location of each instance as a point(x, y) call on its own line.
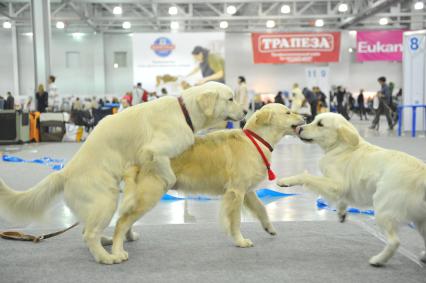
point(194, 15)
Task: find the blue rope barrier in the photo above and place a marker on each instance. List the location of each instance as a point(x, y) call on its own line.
point(322, 204)
point(55, 164)
point(264, 194)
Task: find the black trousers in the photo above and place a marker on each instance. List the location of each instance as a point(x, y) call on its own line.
point(362, 112)
point(384, 108)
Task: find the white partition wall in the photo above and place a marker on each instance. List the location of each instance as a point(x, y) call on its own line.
point(414, 72)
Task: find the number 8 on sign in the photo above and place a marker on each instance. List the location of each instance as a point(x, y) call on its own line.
point(414, 43)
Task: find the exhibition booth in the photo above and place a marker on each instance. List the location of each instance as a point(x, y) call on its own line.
point(164, 63)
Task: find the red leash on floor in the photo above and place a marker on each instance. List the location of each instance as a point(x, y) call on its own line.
point(18, 236)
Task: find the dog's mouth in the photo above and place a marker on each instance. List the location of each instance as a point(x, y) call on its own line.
point(294, 126)
point(306, 140)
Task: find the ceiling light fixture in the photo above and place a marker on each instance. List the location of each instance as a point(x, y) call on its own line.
point(343, 7)
point(419, 5)
point(319, 23)
point(7, 25)
point(174, 25)
point(270, 23)
point(117, 10)
point(173, 10)
point(231, 9)
point(285, 9)
point(383, 21)
point(223, 24)
point(60, 25)
point(126, 25)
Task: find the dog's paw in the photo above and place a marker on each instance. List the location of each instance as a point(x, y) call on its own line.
point(270, 230)
point(132, 236)
point(286, 182)
point(105, 259)
point(342, 217)
point(244, 243)
point(120, 257)
point(376, 261)
point(423, 256)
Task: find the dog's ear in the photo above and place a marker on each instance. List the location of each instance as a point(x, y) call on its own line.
point(207, 102)
point(264, 117)
point(348, 135)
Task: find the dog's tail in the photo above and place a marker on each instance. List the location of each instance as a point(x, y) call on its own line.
point(29, 205)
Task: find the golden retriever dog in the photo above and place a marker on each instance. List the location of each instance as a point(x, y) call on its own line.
point(359, 173)
point(224, 163)
point(148, 135)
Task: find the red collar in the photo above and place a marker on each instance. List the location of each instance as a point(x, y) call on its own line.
point(252, 136)
point(259, 138)
point(185, 113)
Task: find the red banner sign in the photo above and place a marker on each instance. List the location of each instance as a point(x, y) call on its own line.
point(297, 47)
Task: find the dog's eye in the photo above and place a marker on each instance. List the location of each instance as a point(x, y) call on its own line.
point(231, 99)
point(288, 113)
point(320, 124)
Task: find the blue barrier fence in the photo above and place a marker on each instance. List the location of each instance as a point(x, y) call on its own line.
point(413, 117)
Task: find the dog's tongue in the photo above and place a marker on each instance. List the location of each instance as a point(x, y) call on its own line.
point(297, 130)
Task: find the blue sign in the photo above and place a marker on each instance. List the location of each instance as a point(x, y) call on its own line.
point(163, 46)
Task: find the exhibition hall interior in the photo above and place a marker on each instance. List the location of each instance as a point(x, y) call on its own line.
point(212, 141)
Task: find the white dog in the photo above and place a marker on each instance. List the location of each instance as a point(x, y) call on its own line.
point(356, 172)
point(221, 163)
point(147, 135)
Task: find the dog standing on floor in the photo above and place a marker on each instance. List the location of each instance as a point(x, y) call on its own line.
point(147, 135)
point(224, 163)
point(359, 173)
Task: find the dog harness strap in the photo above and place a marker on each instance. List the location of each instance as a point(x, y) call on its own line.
point(259, 138)
point(249, 134)
point(13, 235)
point(185, 113)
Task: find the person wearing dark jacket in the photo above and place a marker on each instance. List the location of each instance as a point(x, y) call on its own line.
point(340, 99)
point(385, 99)
point(10, 102)
point(279, 98)
point(42, 98)
point(313, 102)
point(361, 106)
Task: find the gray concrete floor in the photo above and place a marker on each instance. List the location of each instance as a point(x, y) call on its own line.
point(290, 157)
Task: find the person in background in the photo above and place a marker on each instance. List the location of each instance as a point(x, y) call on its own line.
point(212, 66)
point(137, 94)
point(2, 102)
point(101, 103)
point(241, 93)
point(241, 97)
point(42, 98)
point(297, 98)
point(313, 102)
point(340, 97)
point(279, 98)
point(77, 105)
point(128, 97)
point(361, 105)
point(321, 98)
point(10, 102)
point(28, 104)
point(384, 96)
point(53, 95)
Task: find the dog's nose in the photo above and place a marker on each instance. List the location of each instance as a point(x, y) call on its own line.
point(299, 130)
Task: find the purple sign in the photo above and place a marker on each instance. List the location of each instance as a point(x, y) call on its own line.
point(385, 45)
